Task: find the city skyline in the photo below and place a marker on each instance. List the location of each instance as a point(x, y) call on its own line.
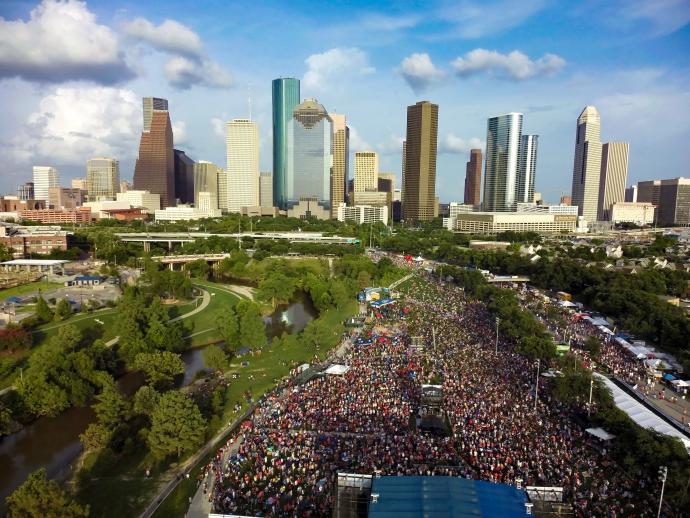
point(470, 60)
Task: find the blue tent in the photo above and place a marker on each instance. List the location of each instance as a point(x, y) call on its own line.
point(444, 497)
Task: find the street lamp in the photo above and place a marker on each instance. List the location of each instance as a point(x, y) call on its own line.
point(536, 387)
point(663, 473)
point(498, 320)
point(589, 406)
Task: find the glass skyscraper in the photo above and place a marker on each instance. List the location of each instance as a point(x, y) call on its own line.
point(309, 154)
point(503, 139)
point(286, 97)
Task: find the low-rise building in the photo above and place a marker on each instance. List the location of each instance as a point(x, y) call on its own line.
point(27, 241)
point(65, 197)
point(363, 213)
point(185, 213)
point(99, 209)
point(147, 201)
point(14, 204)
point(568, 210)
point(56, 216)
point(131, 214)
point(639, 213)
point(495, 222)
point(309, 207)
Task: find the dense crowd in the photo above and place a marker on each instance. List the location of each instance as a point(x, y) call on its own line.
point(284, 460)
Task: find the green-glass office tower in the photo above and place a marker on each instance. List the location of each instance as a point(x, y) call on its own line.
point(285, 100)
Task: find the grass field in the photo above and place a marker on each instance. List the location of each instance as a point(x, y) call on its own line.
point(28, 288)
point(202, 327)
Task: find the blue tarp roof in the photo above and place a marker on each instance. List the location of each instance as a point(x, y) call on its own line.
point(89, 278)
point(444, 497)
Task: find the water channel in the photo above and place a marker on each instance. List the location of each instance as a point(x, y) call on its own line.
point(54, 443)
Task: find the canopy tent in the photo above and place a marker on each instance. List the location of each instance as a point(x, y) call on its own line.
point(337, 370)
point(605, 330)
point(600, 433)
point(381, 303)
point(641, 414)
point(566, 304)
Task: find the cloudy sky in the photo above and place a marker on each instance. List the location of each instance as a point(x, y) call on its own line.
point(72, 75)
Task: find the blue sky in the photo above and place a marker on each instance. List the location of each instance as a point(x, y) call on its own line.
point(72, 75)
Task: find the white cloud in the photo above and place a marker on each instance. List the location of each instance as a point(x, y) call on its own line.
point(457, 145)
point(663, 16)
point(183, 73)
point(218, 126)
point(474, 20)
point(419, 71)
point(179, 129)
point(169, 36)
point(393, 146)
point(72, 125)
point(61, 41)
point(335, 64)
point(357, 143)
point(515, 65)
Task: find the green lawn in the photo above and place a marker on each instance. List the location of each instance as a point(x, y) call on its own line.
point(28, 288)
point(204, 323)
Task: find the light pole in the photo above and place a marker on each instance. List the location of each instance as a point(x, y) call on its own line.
point(498, 320)
point(536, 387)
point(663, 473)
point(591, 389)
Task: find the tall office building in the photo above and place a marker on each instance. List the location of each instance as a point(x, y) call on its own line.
point(649, 191)
point(366, 171)
point(674, 202)
point(527, 168)
point(613, 177)
point(502, 163)
point(341, 156)
point(309, 154)
point(386, 184)
point(266, 189)
point(587, 164)
point(420, 161)
point(285, 97)
point(155, 167)
point(184, 177)
point(80, 183)
point(631, 194)
point(242, 141)
point(26, 191)
point(222, 189)
point(473, 178)
point(205, 180)
point(45, 177)
point(102, 179)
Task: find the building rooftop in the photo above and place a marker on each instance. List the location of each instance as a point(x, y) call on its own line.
point(35, 262)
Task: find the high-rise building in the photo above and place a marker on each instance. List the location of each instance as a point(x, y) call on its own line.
point(366, 171)
point(102, 178)
point(566, 200)
point(26, 191)
point(402, 176)
point(473, 178)
point(587, 164)
point(242, 141)
point(45, 177)
point(222, 189)
point(155, 167)
point(65, 198)
point(79, 183)
point(613, 177)
point(387, 184)
point(285, 98)
point(674, 202)
point(649, 191)
point(420, 161)
point(184, 177)
point(631, 194)
point(205, 180)
point(266, 189)
point(502, 162)
point(527, 169)
point(309, 154)
point(341, 155)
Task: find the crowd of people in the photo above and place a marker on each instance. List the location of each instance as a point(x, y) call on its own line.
point(284, 460)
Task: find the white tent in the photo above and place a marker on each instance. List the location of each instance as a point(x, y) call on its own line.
point(337, 370)
point(640, 413)
point(600, 433)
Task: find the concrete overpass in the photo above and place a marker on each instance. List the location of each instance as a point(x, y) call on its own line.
point(187, 237)
point(172, 260)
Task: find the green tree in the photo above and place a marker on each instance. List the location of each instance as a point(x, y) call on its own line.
point(14, 337)
point(363, 279)
point(111, 406)
point(62, 309)
point(39, 497)
point(160, 332)
point(145, 400)
point(43, 311)
point(6, 253)
point(275, 286)
point(198, 269)
point(593, 346)
point(252, 327)
point(176, 426)
point(228, 323)
point(5, 419)
point(215, 358)
point(160, 367)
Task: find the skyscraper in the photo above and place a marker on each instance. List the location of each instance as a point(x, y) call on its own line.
point(613, 177)
point(286, 97)
point(473, 178)
point(26, 191)
point(205, 180)
point(341, 155)
point(527, 168)
point(184, 177)
point(266, 189)
point(155, 167)
point(45, 177)
point(420, 161)
point(366, 171)
point(242, 140)
point(309, 154)
point(102, 178)
point(587, 163)
point(501, 171)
